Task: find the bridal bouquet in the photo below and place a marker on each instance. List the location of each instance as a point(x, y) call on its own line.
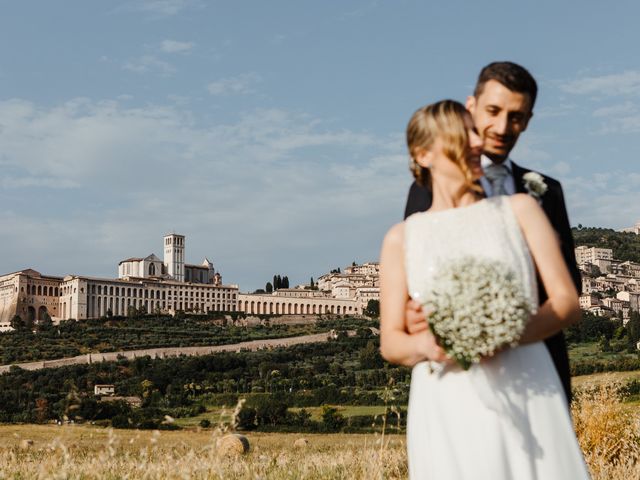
point(475, 307)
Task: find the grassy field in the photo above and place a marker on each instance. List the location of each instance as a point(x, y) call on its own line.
point(217, 415)
point(592, 351)
point(603, 378)
point(608, 432)
point(84, 452)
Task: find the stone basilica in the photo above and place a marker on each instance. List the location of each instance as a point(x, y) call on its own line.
point(147, 284)
point(169, 285)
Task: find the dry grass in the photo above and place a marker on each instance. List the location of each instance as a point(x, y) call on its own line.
point(608, 431)
point(600, 378)
point(79, 452)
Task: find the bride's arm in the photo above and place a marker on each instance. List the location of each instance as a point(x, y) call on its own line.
point(396, 345)
point(561, 308)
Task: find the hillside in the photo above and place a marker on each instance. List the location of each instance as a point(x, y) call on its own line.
point(73, 338)
point(625, 246)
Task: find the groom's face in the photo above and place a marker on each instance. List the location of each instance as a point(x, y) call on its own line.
point(500, 116)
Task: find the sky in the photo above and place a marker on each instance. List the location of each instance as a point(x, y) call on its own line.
point(271, 134)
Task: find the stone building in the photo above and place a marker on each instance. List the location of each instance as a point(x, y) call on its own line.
point(276, 304)
point(359, 283)
point(147, 284)
point(592, 254)
point(30, 295)
point(173, 267)
point(167, 286)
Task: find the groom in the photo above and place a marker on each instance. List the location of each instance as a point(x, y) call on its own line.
point(501, 107)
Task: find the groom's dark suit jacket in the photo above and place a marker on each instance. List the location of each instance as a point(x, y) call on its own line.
point(553, 204)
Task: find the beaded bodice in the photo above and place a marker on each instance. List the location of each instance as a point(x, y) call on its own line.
point(487, 228)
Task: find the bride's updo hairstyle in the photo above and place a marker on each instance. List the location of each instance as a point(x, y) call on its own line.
point(444, 119)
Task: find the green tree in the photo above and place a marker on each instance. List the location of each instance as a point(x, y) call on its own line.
point(268, 287)
point(270, 410)
point(45, 322)
point(285, 282)
point(369, 357)
point(246, 418)
point(633, 330)
point(591, 328)
point(311, 284)
point(17, 323)
point(373, 309)
point(332, 420)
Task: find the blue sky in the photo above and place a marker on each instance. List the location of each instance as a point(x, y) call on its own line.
point(271, 133)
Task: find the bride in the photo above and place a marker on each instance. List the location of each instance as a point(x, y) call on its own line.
point(506, 417)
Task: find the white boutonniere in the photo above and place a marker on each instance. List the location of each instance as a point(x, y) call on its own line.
point(534, 184)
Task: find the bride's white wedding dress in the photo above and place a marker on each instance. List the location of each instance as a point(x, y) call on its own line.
point(507, 417)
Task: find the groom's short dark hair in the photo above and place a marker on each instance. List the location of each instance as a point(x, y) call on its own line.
point(513, 76)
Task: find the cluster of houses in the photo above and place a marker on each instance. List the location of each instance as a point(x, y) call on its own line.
point(610, 287)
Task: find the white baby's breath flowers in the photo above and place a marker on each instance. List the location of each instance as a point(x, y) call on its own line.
point(476, 307)
point(535, 184)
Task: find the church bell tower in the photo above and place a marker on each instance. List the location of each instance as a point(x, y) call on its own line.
point(174, 256)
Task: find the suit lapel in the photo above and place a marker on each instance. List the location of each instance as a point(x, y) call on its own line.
point(518, 173)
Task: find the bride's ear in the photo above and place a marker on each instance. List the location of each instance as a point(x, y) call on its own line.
point(424, 158)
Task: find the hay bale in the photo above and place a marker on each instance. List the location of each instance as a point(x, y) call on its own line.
point(233, 444)
point(26, 444)
point(301, 443)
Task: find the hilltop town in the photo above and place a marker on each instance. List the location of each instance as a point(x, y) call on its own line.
point(610, 287)
point(170, 285)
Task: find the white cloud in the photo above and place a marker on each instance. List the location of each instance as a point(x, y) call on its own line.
point(162, 8)
point(241, 84)
point(174, 46)
point(10, 182)
point(149, 63)
point(626, 83)
point(615, 110)
point(530, 151)
point(560, 110)
point(604, 199)
point(620, 118)
point(269, 192)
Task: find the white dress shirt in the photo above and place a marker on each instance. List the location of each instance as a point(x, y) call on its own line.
point(509, 182)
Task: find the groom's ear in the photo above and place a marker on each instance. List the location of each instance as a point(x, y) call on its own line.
point(471, 103)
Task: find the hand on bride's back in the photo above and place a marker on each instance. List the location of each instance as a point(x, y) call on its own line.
point(415, 318)
point(416, 324)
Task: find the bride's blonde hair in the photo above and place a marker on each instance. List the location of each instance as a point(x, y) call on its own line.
point(444, 119)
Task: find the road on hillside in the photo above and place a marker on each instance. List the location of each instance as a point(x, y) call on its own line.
point(175, 351)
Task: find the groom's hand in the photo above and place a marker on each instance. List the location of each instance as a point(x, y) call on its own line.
point(415, 318)
point(416, 323)
point(433, 351)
